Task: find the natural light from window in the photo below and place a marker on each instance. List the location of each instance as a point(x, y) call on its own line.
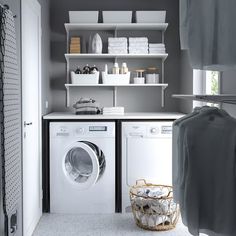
point(206, 83)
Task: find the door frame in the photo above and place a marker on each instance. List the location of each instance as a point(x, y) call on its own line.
point(37, 7)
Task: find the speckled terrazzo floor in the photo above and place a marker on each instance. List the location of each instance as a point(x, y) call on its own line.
point(97, 225)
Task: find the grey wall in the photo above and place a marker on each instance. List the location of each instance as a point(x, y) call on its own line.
point(134, 99)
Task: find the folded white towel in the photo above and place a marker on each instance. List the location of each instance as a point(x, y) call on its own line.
point(117, 48)
point(138, 48)
point(157, 51)
point(113, 108)
point(113, 51)
point(156, 45)
point(118, 44)
point(138, 39)
point(138, 51)
point(119, 39)
point(144, 44)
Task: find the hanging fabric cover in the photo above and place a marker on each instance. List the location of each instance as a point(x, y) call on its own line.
point(207, 31)
point(10, 123)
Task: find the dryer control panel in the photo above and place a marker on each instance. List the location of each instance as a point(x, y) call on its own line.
point(148, 129)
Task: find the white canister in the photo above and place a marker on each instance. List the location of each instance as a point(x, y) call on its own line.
point(152, 78)
point(139, 80)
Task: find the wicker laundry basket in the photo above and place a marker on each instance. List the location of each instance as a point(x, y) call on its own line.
point(153, 206)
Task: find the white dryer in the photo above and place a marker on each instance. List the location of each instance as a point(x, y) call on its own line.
point(146, 154)
point(82, 167)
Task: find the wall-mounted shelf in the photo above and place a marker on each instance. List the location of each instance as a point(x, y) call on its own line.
point(221, 98)
point(116, 85)
point(70, 28)
point(68, 86)
point(69, 56)
point(128, 26)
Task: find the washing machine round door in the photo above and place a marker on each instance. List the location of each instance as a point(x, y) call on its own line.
point(84, 164)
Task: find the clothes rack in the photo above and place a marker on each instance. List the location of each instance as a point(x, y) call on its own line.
point(221, 98)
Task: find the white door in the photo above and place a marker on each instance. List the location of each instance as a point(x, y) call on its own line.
point(31, 96)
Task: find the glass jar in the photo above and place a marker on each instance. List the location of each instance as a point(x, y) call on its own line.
point(152, 75)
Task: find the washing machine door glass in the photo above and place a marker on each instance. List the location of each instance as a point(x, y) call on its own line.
point(84, 164)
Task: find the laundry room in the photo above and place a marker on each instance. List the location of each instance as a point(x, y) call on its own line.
point(117, 118)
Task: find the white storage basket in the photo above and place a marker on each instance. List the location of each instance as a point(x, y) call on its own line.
point(114, 79)
point(150, 16)
point(84, 78)
point(83, 16)
point(117, 16)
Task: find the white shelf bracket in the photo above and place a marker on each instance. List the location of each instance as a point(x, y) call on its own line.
point(67, 97)
point(163, 96)
point(114, 96)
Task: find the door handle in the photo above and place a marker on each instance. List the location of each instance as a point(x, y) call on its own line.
point(27, 124)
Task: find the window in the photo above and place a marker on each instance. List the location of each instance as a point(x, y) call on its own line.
point(206, 82)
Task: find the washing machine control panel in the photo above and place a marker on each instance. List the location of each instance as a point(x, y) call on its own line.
point(82, 129)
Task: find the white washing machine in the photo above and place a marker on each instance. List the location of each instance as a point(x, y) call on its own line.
point(82, 167)
point(146, 154)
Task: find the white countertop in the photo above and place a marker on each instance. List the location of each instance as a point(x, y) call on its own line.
point(126, 116)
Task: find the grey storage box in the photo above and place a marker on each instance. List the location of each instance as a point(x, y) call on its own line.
point(83, 16)
point(117, 16)
point(150, 16)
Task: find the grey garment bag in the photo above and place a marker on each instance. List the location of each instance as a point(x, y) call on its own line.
point(208, 187)
point(206, 31)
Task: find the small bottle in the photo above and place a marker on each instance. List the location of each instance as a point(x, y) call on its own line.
point(124, 68)
point(78, 71)
point(93, 70)
point(115, 69)
point(106, 69)
point(86, 69)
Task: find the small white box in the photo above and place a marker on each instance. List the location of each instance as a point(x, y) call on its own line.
point(139, 80)
point(84, 78)
point(150, 16)
point(114, 79)
point(117, 16)
point(83, 16)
